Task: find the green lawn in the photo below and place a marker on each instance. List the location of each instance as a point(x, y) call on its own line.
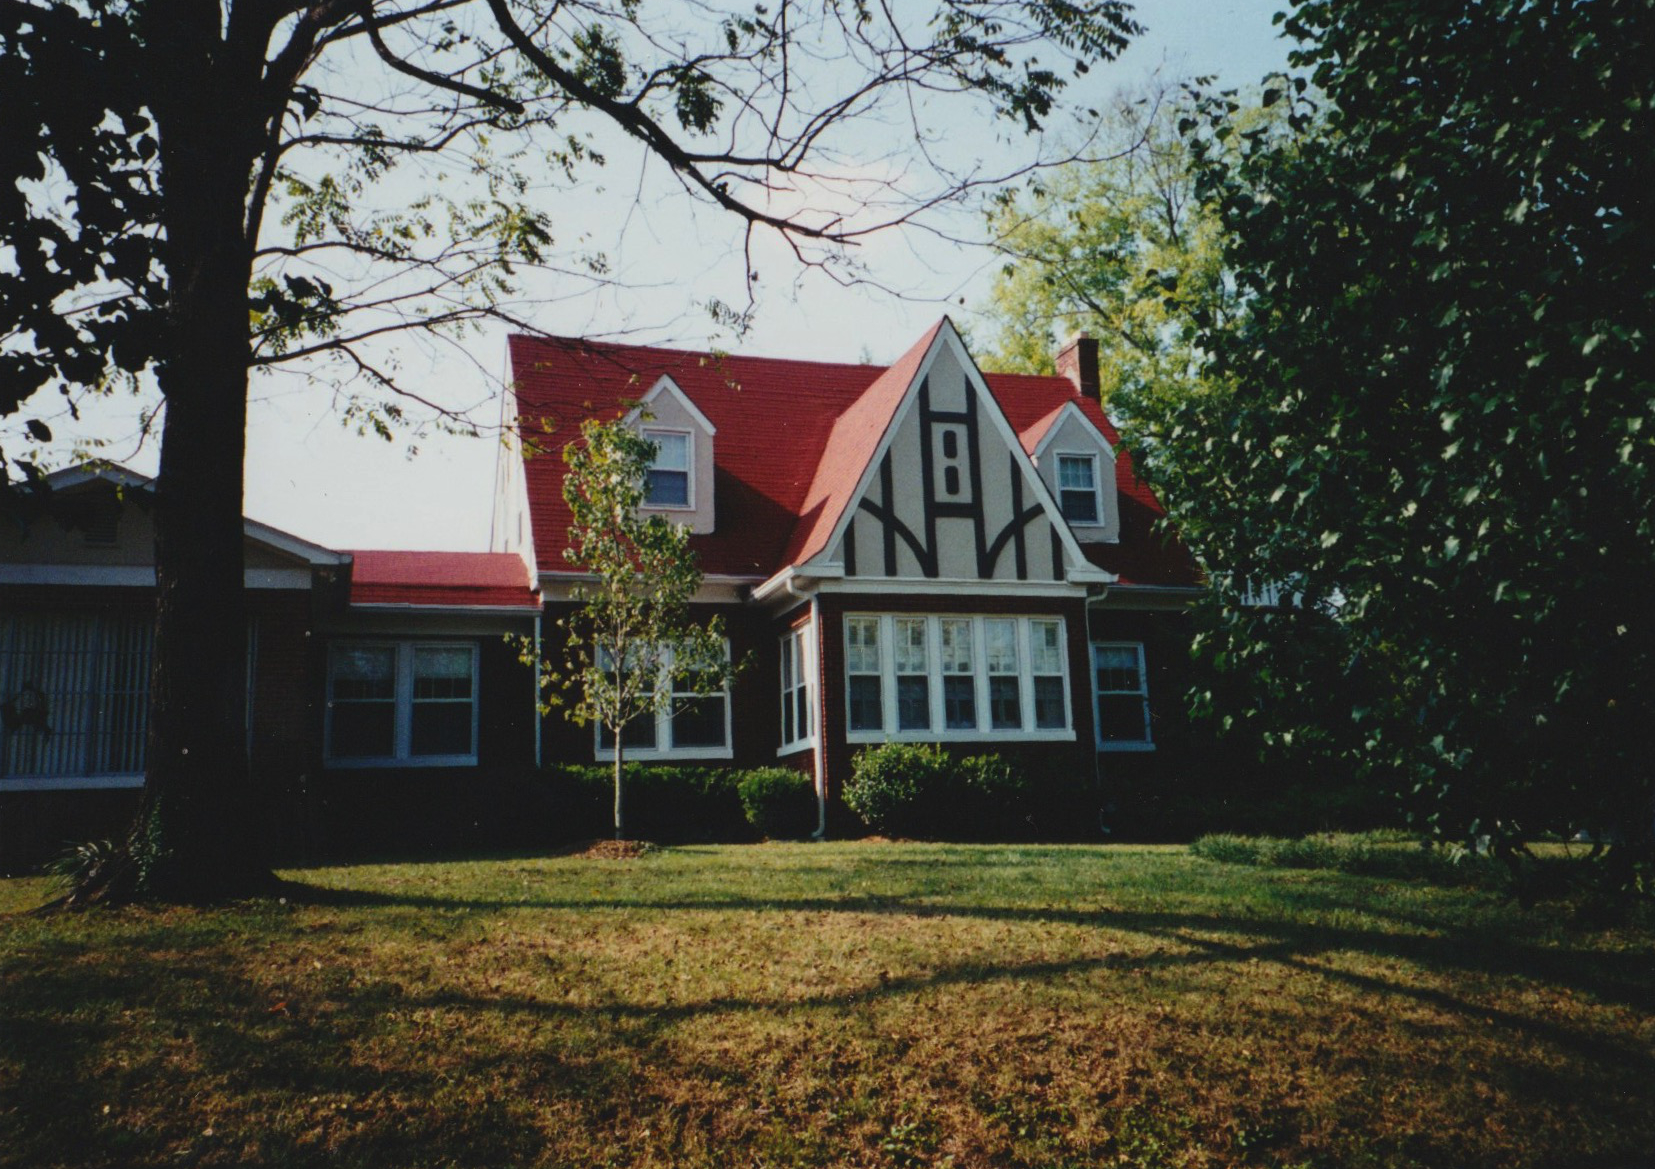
point(840, 1004)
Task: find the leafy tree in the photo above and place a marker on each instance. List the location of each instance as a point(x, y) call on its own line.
point(1094, 245)
point(1436, 430)
point(195, 189)
point(631, 643)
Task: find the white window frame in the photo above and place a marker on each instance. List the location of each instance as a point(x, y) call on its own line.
point(688, 436)
point(1091, 458)
point(403, 706)
point(798, 648)
point(938, 731)
point(663, 724)
point(1147, 743)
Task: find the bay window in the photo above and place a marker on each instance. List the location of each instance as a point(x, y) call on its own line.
point(401, 703)
point(956, 677)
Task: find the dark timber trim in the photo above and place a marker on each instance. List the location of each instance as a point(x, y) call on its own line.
point(850, 547)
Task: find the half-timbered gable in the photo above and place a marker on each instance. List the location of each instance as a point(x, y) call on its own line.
point(949, 494)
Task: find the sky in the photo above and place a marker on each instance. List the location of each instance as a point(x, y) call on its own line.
point(309, 475)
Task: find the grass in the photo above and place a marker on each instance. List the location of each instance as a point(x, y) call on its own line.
point(841, 1004)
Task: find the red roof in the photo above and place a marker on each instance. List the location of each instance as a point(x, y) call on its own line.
point(488, 580)
point(793, 438)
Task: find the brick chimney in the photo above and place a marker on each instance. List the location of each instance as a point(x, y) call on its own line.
point(1078, 361)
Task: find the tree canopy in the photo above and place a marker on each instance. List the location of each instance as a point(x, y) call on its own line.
point(1092, 246)
point(1434, 433)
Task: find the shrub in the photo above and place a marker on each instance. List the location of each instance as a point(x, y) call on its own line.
point(670, 805)
point(994, 801)
point(897, 788)
point(779, 802)
point(1370, 854)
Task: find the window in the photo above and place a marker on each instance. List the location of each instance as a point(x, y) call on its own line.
point(865, 707)
point(74, 698)
point(402, 703)
point(959, 678)
point(1051, 692)
point(955, 677)
point(1122, 689)
point(1005, 706)
point(690, 725)
point(1077, 488)
point(797, 727)
point(913, 675)
point(669, 474)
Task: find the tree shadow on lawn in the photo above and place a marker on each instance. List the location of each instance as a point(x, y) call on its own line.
point(1626, 978)
point(319, 1042)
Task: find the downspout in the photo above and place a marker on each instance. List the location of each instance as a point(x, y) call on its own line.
point(535, 706)
point(1092, 701)
point(818, 713)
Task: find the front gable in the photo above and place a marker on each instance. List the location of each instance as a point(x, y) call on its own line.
point(949, 493)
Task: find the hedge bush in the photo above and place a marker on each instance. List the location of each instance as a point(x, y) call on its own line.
point(779, 802)
point(898, 788)
point(1372, 854)
point(669, 805)
point(919, 790)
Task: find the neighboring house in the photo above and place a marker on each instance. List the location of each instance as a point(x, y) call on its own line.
point(358, 663)
point(919, 552)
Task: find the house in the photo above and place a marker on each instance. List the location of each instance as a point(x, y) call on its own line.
point(919, 552)
point(916, 552)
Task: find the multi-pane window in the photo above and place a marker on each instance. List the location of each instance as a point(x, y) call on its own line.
point(402, 703)
point(796, 687)
point(688, 724)
point(1005, 706)
point(955, 677)
point(864, 672)
point(959, 676)
point(1051, 709)
point(913, 675)
point(1122, 688)
point(669, 473)
point(1077, 488)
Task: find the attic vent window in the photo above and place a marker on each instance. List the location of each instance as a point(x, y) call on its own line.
point(669, 474)
point(950, 464)
point(100, 525)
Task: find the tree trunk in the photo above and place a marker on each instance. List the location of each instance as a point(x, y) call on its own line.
point(620, 822)
point(194, 837)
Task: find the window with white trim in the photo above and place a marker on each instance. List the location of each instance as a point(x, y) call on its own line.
point(955, 677)
point(1121, 687)
point(797, 669)
point(1051, 690)
point(1077, 488)
point(402, 703)
point(689, 725)
point(864, 675)
point(1005, 700)
point(669, 472)
point(959, 676)
point(913, 675)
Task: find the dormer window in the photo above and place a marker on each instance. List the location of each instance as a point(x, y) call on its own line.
point(1077, 481)
point(669, 474)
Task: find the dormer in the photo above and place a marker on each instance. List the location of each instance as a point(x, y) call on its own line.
point(681, 479)
point(1078, 466)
